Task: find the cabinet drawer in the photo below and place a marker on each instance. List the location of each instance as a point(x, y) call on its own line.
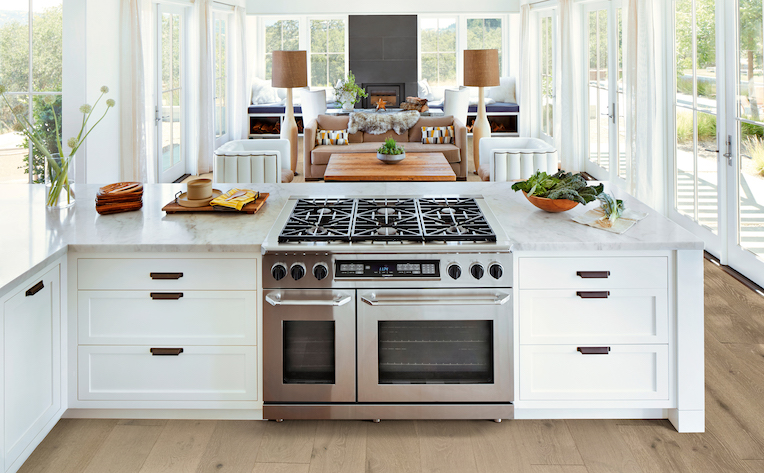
point(624, 272)
point(562, 316)
point(561, 372)
point(130, 373)
point(196, 318)
point(202, 274)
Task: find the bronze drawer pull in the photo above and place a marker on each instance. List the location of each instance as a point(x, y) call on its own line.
point(35, 289)
point(593, 350)
point(166, 351)
point(166, 296)
point(593, 294)
point(166, 275)
point(593, 274)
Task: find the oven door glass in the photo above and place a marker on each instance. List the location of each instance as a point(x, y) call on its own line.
point(309, 352)
point(434, 345)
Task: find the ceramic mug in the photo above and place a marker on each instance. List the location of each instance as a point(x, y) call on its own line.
point(200, 189)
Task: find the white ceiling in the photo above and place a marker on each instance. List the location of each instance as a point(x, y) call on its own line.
point(391, 7)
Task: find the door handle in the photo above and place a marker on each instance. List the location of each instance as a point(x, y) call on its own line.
point(166, 351)
point(35, 289)
point(166, 296)
point(500, 299)
point(276, 300)
point(593, 274)
point(593, 294)
point(593, 350)
point(166, 275)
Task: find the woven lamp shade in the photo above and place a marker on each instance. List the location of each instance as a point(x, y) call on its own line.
point(481, 67)
point(290, 69)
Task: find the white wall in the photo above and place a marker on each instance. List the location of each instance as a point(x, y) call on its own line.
point(388, 7)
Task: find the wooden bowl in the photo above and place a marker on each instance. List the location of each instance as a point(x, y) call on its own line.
point(551, 205)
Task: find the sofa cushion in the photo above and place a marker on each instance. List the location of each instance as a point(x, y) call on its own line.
point(321, 154)
point(368, 137)
point(331, 137)
point(331, 122)
point(415, 132)
point(451, 152)
point(287, 175)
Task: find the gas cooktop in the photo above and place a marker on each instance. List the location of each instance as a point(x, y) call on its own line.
point(387, 219)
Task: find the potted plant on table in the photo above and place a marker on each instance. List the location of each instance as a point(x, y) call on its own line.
point(59, 167)
point(348, 92)
point(390, 152)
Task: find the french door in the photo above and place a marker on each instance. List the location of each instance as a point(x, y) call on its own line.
point(718, 169)
point(547, 72)
point(604, 106)
point(170, 107)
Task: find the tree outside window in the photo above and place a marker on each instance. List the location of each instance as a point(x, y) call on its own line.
point(327, 52)
point(438, 51)
point(485, 33)
point(280, 35)
point(220, 41)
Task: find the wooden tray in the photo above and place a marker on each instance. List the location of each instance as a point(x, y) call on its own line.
point(250, 208)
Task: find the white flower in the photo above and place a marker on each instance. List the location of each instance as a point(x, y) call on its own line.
point(49, 99)
point(18, 127)
point(2, 89)
point(86, 108)
point(110, 103)
point(72, 143)
point(104, 89)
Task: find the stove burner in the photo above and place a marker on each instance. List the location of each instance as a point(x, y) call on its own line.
point(448, 212)
point(323, 212)
point(318, 230)
point(386, 212)
point(456, 230)
point(387, 231)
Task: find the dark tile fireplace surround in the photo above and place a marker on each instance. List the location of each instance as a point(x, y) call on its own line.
point(382, 55)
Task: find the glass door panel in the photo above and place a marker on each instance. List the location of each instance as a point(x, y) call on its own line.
point(309, 352)
point(170, 107)
point(546, 72)
point(599, 100)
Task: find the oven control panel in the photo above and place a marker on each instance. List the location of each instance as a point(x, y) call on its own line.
point(387, 269)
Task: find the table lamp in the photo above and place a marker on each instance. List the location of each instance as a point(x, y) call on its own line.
point(290, 70)
point(481, 69)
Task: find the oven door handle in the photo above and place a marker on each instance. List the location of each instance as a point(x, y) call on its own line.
point(500, 298)
point(275, 299)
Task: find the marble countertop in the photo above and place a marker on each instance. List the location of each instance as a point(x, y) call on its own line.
point(33, 236)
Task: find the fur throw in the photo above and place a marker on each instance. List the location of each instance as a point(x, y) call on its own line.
point(380, 123)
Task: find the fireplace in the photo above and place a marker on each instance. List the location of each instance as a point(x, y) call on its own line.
point(392, 94)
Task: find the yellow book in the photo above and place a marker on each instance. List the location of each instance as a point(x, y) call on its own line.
point(241, 197)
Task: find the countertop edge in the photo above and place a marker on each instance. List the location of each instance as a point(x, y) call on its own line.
point(10, 285)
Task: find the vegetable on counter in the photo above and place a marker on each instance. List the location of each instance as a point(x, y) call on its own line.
point(561, 185)
point(613, 208)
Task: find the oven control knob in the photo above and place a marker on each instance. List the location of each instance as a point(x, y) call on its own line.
point(495, 270)
point(298, 271)
point(278, 271)
point(320, 271)
point(455, 271)
point(477, 270)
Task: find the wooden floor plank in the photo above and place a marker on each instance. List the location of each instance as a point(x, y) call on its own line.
point(734, 313)
point(392, 447)
point(69, 446)
point(287, 442)
point(445, 446)
point(754, 466)
point(125, 449)
point(546, 442)
point(233, 447)
point(651, 451)
point(340, 447)
point(602, 448)
point(180, 447)
point(281, 468)
point(558, 469)
point(497, 448)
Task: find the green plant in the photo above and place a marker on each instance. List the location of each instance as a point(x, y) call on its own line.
point(561, 185)
point(613, 208)
point(347, 90)
point(706, 126)
point(390, 148)
point(754, 147)
point(44, 125)
point(749, 129)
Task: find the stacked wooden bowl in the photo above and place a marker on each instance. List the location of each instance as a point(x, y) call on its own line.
point(119, 197)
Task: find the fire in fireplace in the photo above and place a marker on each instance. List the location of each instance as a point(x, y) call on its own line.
point(390, 93)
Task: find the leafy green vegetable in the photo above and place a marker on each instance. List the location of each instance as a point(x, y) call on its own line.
point(561, 185)
point(613, 208)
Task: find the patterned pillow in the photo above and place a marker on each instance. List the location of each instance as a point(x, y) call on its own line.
point(331, 137)
point(437, 134)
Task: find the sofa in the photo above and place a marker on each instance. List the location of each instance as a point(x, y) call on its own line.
point(317, 157)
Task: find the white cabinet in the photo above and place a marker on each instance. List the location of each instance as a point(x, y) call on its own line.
point(31, 365)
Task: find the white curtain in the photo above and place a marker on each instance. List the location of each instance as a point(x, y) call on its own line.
point(134, 39)
point(569, 140)
point(645, 96)
point(202, 107)
point(526, 102)
point(240, 84)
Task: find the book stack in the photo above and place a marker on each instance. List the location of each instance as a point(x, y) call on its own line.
point(119, 197)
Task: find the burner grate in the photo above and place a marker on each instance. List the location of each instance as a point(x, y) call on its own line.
point(386, 219)
point(319, 220)
point(454, 219)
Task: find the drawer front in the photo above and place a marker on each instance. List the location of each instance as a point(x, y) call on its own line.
point(201, 274)
point(563, 273)
point(562, 316)
point(561, 372)
point(196, 318)
point(130, 373)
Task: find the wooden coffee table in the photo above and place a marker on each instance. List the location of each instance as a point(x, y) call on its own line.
point(366, 167)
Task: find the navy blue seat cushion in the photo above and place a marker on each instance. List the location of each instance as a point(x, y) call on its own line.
point(493, 107)
point(274, 108)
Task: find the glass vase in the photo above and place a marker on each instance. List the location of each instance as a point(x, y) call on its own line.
point(59, 181)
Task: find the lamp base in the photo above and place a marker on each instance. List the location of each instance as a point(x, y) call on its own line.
point(480, 128)
point(289, 131)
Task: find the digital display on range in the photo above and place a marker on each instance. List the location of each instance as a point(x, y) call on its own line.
point(386, 269)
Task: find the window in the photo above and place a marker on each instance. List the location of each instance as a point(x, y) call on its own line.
point(327, 52)
point(220, 45)
point(280, 35)
point(438, 51)
point(28, 82)
point(546, 74)
point(485, 33)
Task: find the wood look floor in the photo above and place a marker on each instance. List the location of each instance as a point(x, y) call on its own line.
point(733, 442)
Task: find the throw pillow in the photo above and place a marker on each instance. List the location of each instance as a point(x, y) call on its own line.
point(331, 137)
point(437, 134)
point(262, 92)
point(424, 90)
point(505, 91)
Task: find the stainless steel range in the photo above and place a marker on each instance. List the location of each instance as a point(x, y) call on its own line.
point(387, 308)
